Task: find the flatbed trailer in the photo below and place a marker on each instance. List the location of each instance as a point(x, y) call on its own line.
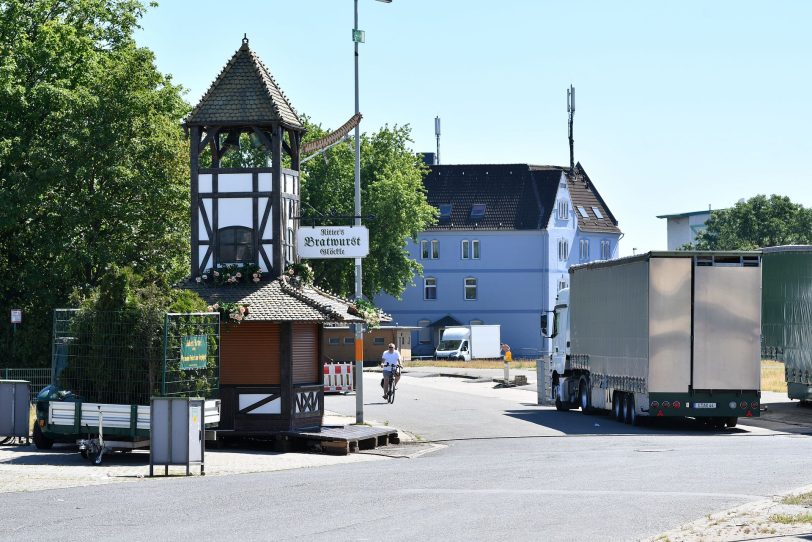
point(100, 428)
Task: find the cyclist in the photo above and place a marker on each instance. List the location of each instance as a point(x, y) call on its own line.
point(390, 361)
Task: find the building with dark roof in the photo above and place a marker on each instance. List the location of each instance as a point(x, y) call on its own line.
point(501, 249)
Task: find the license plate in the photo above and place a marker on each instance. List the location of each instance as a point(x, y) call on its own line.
point(704, 405)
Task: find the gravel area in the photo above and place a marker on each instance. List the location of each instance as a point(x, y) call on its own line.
point(751, 521)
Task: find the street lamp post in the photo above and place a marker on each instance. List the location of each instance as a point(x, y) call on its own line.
point(358, 37)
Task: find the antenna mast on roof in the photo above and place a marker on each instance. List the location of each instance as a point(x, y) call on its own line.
point(437, 133)
point(571, 112)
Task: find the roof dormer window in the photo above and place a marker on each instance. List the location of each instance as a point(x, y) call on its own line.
point(477, 211)
point(445, 212)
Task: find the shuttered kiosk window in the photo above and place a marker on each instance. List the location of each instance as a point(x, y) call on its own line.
point(305, 353)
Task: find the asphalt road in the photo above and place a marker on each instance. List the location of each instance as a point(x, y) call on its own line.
point(501, 468)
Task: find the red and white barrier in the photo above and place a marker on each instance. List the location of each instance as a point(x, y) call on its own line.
point(338, 377)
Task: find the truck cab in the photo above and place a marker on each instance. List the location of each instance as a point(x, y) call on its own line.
point(455, 344)
point(560, 333)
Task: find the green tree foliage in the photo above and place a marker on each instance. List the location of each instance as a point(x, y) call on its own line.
point(391, 190)
point(93, 162)
point(756, 223)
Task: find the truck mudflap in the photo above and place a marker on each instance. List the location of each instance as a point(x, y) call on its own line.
point(705, 404)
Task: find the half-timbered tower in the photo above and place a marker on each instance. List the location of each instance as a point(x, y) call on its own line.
point(245, 144)
point(243, 214)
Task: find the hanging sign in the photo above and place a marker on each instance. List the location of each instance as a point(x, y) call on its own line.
point(16, 316)
point(193, 350)
point(333, 242)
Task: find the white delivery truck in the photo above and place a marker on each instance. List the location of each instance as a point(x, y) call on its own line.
point(660, 334)
point(469, 342)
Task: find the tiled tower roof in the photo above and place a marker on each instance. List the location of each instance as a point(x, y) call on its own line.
point(245, 92)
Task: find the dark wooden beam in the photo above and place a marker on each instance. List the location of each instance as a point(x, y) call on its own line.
point(194, 155)
point(209, 135)
point(225, 195)
point(205, 216)
point(276, 198)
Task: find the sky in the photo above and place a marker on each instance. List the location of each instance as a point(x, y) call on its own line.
point(680, 106)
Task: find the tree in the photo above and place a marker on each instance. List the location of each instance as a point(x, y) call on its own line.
point(756, 223)
point(93, 161)
point(391, 190)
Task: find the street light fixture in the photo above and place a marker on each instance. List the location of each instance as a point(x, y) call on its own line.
point(358, 37)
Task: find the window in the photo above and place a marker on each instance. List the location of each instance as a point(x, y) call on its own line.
point(563, 250)
point(470, 289)
point(583, 212)
point(562, 284)
point(377, 340)
point(429, 288)
point(597, 212)
point(349, 340)
point(563, 209)
point(477, 211)
point(470, 249)
point(334, 340)
point(435, 249)
point(445, 212)
point(424, 335)
point(424, 249)
point(606, 250)
point(235, 245)
point(584, 249)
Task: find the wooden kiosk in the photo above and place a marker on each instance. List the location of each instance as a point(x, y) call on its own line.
point(243, 233)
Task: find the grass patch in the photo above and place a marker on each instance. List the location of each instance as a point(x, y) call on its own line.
point(772, 376)
point(789, 519)
point(473, 364)
point(804, 499)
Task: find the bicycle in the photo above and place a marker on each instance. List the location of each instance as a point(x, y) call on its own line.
point(389, 394)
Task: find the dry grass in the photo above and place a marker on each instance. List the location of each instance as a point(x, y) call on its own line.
point(804, 499)
point(772, 376)
point(791, 519)
point(473, 364)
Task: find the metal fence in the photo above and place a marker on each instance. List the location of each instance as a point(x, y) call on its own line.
point(191, 366)
point(39, 378)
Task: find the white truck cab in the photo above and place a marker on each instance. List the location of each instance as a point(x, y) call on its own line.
point(455, 344)
point(560, 333)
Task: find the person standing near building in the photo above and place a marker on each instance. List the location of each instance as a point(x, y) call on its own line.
point(390, 361)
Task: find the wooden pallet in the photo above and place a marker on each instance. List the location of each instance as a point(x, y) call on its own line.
point(347, 439)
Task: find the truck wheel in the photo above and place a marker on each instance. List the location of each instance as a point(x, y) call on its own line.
point(629, 413)
point(634, 418)
point(583, 393)
point(732, 421)
point(41, 441)
point(618, 406)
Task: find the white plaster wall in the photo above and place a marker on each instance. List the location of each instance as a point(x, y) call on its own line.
point(234, 182)
point(204, 183)
point(265, 182)
point(235, 212)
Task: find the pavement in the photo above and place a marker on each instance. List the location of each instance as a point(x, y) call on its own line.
point(769, 519)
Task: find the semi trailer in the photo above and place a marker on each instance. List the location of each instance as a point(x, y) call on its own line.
point(787, 315)
point(662, 334)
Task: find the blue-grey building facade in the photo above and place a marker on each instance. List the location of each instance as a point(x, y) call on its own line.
point(501, 250)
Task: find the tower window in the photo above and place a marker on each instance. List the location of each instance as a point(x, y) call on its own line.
point(235, 245)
